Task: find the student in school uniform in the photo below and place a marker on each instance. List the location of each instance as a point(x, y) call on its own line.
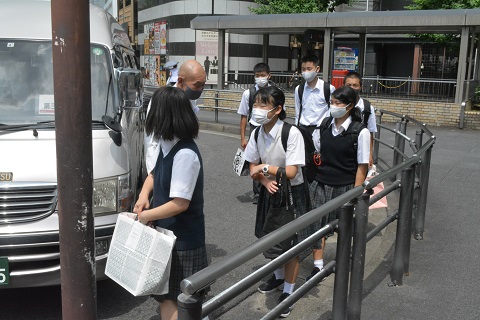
point(344, 146)
point(177, 189)
point(266, 154)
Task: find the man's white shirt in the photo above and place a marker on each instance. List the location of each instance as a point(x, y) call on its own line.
point(314, 105)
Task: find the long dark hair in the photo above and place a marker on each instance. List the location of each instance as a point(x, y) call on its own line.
point(171, 115)
point(347, 95)
point(274, 95)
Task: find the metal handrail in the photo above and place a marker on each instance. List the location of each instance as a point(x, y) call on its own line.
point(403, 173)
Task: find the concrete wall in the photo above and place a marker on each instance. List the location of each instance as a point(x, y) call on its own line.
point(431, 113)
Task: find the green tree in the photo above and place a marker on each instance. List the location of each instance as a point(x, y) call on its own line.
point(443, 4)
point(448, 40)
point(296, 6)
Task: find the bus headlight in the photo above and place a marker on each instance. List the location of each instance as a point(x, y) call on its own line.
point(112, 195)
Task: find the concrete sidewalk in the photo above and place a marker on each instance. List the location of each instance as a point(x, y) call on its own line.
point(442, 283)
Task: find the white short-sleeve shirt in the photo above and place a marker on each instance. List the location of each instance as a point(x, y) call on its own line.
point(314, 105)
point(372, 121)
point(270, 150)
point(185, 170)
point(363, 149)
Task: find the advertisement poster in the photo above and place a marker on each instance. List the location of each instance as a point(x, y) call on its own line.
point(149, 42)
point(163, 37)
point(206, 52)
point(154, 76)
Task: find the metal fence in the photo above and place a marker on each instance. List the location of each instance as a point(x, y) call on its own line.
point(377, 87)
point(406, 170)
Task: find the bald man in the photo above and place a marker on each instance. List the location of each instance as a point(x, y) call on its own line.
point(191, 79)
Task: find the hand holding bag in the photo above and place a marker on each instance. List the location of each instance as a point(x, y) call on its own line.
point(280, 213)
point(139, 257)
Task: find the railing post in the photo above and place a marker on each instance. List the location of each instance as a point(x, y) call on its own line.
point(189, 307)
point(401, 145)
point(396, 146)
point(354, 306)
point(408, 221)
point(216, 106)
point(342, 270)
point(376, 143)
point(422, 199)
point(405, 209)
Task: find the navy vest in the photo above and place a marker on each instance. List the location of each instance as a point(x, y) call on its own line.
point(339, 158)
point(188, 226)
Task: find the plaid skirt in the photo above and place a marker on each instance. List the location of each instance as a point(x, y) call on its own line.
point(184, 264)
point(320, 194)
point(299, 194)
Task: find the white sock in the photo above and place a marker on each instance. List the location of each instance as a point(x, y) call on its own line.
point(288, 287)
point(279, 273)
point(318, 264)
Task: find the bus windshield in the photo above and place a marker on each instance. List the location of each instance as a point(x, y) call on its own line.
point(26, 82)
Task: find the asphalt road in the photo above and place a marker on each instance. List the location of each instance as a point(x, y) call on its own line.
point(229, 216)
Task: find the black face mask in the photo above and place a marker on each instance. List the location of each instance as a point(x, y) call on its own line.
point(193, 94)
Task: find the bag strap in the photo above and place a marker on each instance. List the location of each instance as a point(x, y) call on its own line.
point(285, 132)
point(367, 111)
point(252, 91)
point(326, 92)
point(301, 88)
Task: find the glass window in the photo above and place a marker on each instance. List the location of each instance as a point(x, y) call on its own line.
point(26, 82)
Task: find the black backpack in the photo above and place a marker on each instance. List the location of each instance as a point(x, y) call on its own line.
point(367, 110)
point(310, 168)
point(326, 92)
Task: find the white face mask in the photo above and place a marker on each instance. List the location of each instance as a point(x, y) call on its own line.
point(309, 76)
point(261, 82)
point(260, 116)
point(338, 112)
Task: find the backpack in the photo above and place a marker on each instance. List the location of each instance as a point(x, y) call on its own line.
point(367, 110)
point(310, 169)
point(353, 130)
point(326, 93)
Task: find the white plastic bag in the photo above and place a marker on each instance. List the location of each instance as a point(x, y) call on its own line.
point(139, 257)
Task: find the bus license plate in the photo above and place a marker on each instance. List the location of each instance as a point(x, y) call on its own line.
point(4, 272)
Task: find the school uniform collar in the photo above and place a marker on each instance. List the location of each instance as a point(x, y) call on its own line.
point(343, 127)
point(273, 132)
point(359, 104)
point(167, 145)
point(318, 85)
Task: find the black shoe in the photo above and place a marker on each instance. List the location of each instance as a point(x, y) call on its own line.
point(286, 312)
point(314, 272)
point(273, 284)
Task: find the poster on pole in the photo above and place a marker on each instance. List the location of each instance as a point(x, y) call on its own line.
point(160, 35)
point(206, 52)
point(149, 39)
point(163, 37)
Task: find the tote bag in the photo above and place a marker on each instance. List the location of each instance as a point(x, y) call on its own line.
point(139, 257)
point(279, 214)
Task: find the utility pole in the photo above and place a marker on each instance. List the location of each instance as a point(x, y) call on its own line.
point(73, 122)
